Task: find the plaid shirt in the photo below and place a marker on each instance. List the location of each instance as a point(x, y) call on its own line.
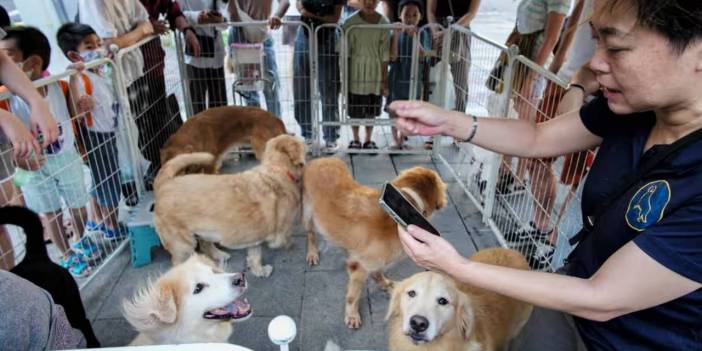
point(169, 8)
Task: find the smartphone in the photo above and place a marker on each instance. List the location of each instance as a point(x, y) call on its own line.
point(401, 210)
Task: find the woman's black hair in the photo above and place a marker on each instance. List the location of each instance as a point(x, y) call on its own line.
point(680, 21)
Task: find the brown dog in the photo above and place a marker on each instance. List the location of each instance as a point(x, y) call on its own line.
point(240, 210)
point(347, 214)
point(431, 311)
point(218, 129)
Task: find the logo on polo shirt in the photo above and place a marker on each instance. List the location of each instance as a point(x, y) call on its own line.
point(646, 207)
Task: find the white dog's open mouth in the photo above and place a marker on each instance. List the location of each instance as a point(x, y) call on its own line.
point(238, 310)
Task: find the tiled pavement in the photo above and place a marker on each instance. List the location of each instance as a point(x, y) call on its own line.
point(312, 296)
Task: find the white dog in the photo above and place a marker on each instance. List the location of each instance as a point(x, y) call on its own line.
point(194, 302)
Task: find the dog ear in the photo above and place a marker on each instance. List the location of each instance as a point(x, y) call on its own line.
point(465, 317)
point(152, 306)
point(394, 305)
point(294, 150)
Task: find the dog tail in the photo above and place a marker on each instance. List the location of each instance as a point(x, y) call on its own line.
point(178, 163)
point(33, 229)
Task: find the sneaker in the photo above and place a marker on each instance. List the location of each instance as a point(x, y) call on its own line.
point(354, 144)
point(75, 264)
point(331, 147)
point(541, 256)
point(87, 248)
point(507, 183)
point(115, 234)
point(92, 226)
point(529, 233)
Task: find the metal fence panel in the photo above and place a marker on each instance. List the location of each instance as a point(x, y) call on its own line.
point(77, 184)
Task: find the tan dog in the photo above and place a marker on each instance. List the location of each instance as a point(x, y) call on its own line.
point(194, 302)
point(347, 214)
point(431, 311)
point(218, 129)
point(234, 210)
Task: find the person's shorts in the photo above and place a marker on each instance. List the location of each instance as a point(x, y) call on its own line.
point(7, 168)
point(104, 166)
point(364, 106)
point(61, 177)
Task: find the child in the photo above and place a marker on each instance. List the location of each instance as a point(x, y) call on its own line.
point(401, 59)
point(369, 53)
point(60, 176)
point(99, 111)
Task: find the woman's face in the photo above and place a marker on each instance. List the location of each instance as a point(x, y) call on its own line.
point(639, 70)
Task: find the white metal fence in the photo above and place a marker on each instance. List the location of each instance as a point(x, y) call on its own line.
point(76, 183)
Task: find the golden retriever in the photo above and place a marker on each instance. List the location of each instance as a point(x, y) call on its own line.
point(347, 214)
point(431, 311)
point(234, 210)
point(218, 129)
point(194, 302)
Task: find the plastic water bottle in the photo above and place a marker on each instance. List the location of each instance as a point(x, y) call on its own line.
point(282, 331)
point(21, 177)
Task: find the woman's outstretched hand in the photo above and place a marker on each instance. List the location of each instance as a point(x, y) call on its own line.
point(420, 118)
point(431, 251)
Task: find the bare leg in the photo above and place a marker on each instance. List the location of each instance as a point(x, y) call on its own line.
point(78, 216)
point(356, 136)
point(543, 185)
point(357, 281)
point(369, 133)
point(54, 225)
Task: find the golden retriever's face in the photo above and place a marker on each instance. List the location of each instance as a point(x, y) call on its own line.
point(427, 185)
point(191, 294)
point(286, 149)
point(429, 305)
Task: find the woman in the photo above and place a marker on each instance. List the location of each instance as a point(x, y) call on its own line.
point(635, 280)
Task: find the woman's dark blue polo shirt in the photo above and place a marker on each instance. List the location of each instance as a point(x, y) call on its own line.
point(662, 215)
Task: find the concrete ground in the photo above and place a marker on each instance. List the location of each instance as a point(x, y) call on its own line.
point(312, 296)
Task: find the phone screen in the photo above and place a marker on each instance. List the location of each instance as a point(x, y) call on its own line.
point(402, 211)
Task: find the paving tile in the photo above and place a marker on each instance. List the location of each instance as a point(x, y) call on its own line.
point(373, 169)
point(113, 332)
point(323, 315)
point(98, 290)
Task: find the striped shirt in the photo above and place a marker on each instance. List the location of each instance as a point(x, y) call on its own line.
point(532, 14)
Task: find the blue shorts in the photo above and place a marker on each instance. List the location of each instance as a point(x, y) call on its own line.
point(61, 177)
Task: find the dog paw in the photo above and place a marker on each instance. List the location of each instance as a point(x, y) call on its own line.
point(353, 321)
point(312, 259)
point(220, 255)
point(263, 271)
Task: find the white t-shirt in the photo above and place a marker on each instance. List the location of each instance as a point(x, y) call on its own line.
point(113, 18)
point(532, 14)
point(106, 111)
point(191, 10)
point(583, 46)
point(57, 105)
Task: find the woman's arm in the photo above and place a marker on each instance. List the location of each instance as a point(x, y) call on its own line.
point(559, 136)
point(554, 24)
point(628, 281)
point(141, 31)
point(568, 36)
point(431, 11)
point(468, 17)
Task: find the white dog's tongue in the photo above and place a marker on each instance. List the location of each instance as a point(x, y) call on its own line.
point(238, 309)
